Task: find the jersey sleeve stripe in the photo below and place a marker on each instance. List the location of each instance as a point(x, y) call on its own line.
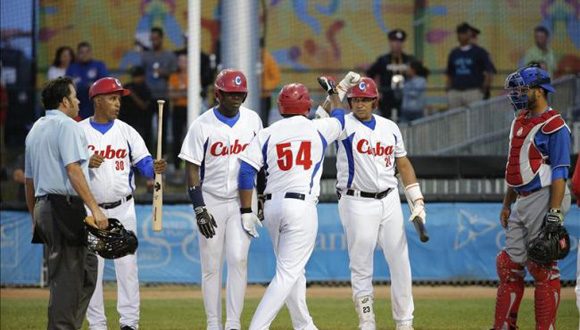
point(202, 166)
point(350, 158)
point(317, 166)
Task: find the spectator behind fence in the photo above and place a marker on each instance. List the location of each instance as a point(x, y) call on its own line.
point(84, 72)
point(178, 95)
point(136, 107)
point(414, 92)
point(541, 51)
point(390, 69)
point(207, 71)
point(469, 70)
point(159, 64)
point(63, 57)
point(270, 80)
point(474, 34)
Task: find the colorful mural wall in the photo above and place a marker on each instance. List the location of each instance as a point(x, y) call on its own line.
point(320, 35)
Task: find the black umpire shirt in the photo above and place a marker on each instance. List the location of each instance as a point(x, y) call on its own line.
point(385, 67)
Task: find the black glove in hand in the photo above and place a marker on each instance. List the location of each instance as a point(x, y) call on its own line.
point(553, 220)
point(327, 84)
point(261, 201)
point(205, 222)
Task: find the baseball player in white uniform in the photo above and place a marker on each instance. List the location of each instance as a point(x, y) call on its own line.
point(291, 151)
point(369, 150)
point(117, 151)
point(211, 149)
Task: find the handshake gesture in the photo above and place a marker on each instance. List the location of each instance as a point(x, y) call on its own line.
point(329, 84)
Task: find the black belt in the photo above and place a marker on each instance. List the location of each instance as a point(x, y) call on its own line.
point(287, 195)
point(112, 205)
point(379, 195)
point(41, 198)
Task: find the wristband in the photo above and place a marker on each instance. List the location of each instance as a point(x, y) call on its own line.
point(244, 210)
point(195, 196)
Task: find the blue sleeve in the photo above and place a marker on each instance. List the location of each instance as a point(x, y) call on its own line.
point(104, 68)
point(338, 114)
point(246, 176)
point(145, 167)
point(559, 148)
point(560, 173)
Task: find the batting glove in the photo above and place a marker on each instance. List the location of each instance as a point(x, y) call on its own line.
point(261, 201)
point(205, 222)
point(327, 84)
point(418, 211)
point(350, 80)
point(249, 223)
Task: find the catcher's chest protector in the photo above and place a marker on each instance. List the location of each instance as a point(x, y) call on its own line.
point(525, 160)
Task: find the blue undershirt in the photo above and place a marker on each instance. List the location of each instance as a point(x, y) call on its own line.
point(230, 121)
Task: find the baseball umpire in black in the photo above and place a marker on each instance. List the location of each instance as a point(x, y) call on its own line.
point(56, 167)
point(391, 68)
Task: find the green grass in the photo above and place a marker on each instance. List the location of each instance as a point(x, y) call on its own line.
point(328, 313)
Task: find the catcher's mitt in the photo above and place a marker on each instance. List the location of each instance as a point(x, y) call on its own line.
point(553, 243)
point(113, 242)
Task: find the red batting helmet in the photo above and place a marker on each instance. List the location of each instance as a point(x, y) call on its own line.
point(294, 99)
point(231, 81)
point(107, 85)
point(365, 88)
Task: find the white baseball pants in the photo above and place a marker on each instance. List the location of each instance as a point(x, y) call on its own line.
point(230, 239)
point(292, 225)
point(366, 222)
point(127, 278)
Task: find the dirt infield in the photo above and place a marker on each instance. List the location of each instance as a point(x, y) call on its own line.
point(256, 291)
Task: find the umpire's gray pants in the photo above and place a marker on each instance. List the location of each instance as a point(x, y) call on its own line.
point(526, 219)
point(72, 272)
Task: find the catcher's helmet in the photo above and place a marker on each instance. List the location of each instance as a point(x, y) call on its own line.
point(113, 242)
point(365, 88)
point(107, 85)
point(294, 99)
point(518, 83)
point(231, 81)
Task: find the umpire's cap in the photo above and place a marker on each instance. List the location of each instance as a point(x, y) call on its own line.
point(398, 35)
point(107, 85)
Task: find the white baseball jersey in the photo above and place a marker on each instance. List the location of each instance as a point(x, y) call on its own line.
point(123, 148)
point(214, 142)
point(366, 155)
point(292, 151)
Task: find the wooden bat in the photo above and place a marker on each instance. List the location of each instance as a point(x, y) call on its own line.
point(158, 188)
point(421, 230)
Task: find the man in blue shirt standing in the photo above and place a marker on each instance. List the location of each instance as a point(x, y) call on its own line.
point(469, 70)
point(56, 168)
point(84, 72)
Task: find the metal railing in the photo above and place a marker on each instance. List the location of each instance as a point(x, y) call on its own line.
point(481, 129)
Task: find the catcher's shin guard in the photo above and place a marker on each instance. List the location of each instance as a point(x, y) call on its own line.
point(509, 292)
point(366, 315)
point(547, 293)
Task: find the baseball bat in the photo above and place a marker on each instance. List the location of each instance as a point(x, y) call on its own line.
point(158, 188)
point(421, 230)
